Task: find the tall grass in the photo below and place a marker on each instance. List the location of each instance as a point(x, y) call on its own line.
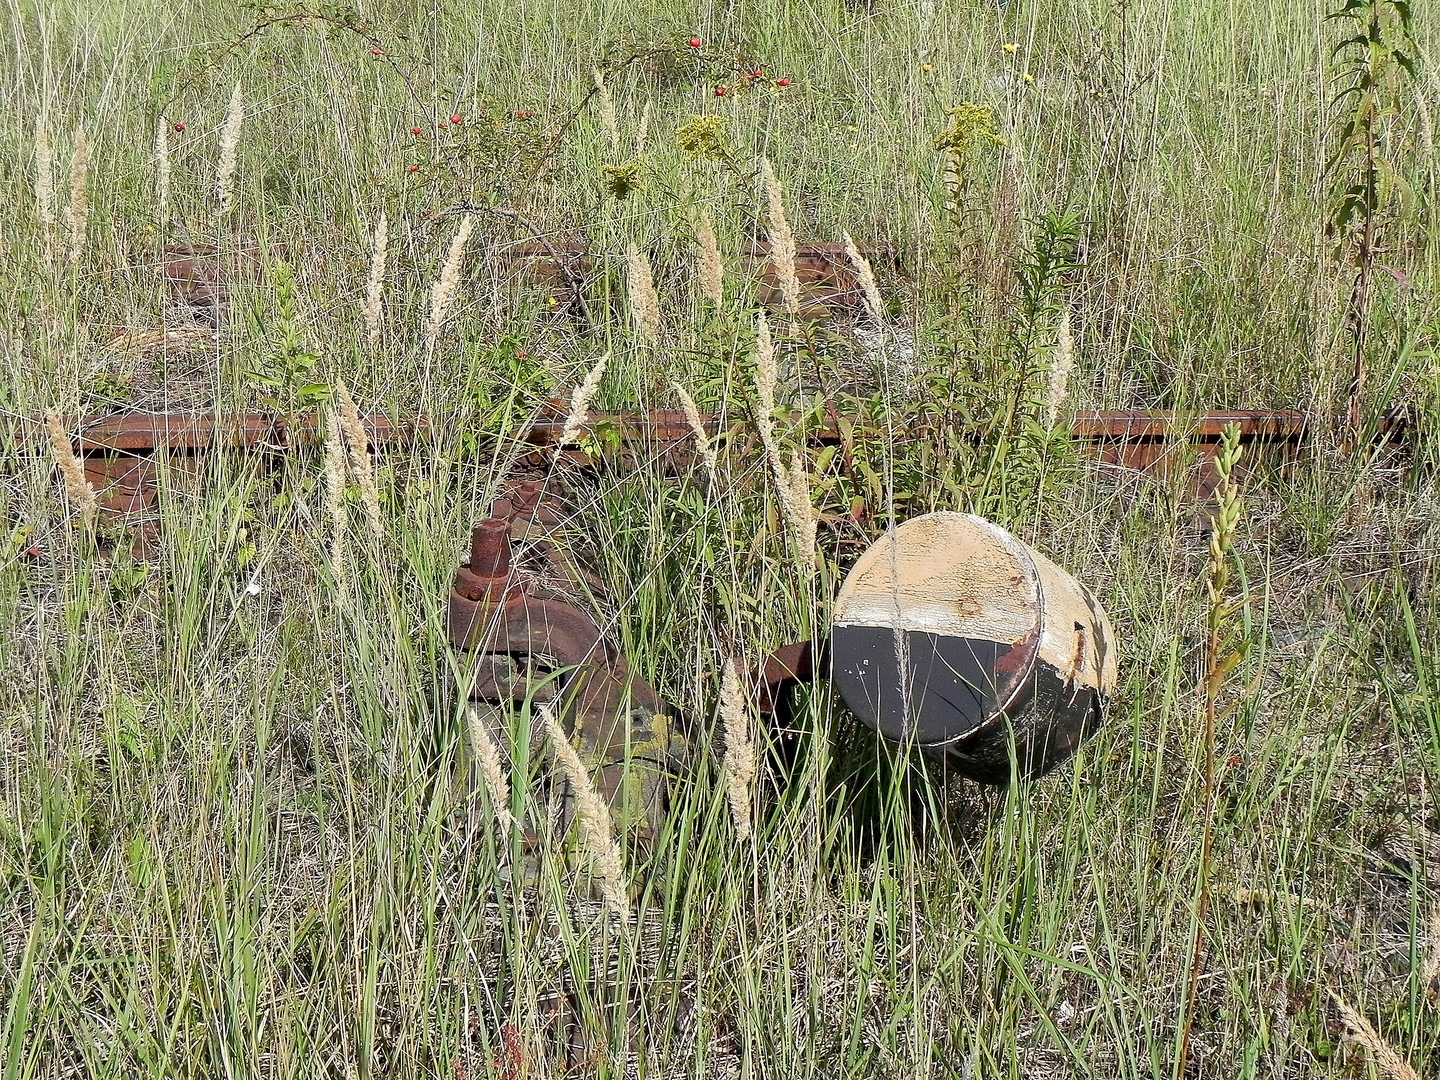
point(231, 840)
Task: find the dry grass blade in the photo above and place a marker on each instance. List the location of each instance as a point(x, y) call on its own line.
point(78, 212)
point(1430, 974)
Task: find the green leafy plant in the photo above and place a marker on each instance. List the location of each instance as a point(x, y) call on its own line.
point(1225, 648)
point(1374, 61)
point(283, 375)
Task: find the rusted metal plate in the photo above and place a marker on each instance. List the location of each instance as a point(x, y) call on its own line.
point(955, 637)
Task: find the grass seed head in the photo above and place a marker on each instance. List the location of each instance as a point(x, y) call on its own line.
point(739, 764)
point(229, 145)
point(640, 285)
point(712, 268)
point(782, 241)
point(607, 114)
point(72, 471)
point(162, 168)
point(642, 130)
point(1063, 363)
point(357, 442)
point(335, 498)
point(492, 769)
point(375, 284)
point(702, 440)
point(448, 283)
point(580, 399)
point(1360, 1032)
point(44, 185)
point(865, 277)
point(594, 816)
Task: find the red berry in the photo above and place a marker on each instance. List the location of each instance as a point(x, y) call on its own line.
point(783, 82)
point(414, 168)
point(415, 131)
point(454, 119)
point(179, 127)
point(521, 354)
point(694, 43)
point(719, 91)
point(374, 52)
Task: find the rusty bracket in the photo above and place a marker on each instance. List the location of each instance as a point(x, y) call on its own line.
point(523, 644)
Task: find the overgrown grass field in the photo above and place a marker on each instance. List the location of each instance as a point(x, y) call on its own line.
point(243, 831)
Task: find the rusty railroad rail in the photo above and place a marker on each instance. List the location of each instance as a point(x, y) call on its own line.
point(121, 451)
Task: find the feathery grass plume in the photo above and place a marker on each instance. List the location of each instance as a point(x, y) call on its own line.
point(78, 213)
point(492, 770)
point(712, 269)
point(580, 399)
point(448, 283)
point(640, 286)
point(782, 241)
point(335, 499)
point(739, 763)
point(1359, 1031)
point(766, 375)
point(358, 444)
point(375, 284)
point(594, 816)
point(865, 276)
point(801, 513)
point(607, 113)
point(44, 185)
point(162, 168)
point(72, 471)
point(1061, 366)
point(697, 425)
point(229, 143)
point(642, 130)
point(792, 484)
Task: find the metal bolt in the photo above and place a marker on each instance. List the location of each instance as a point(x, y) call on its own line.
point(490, 549)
